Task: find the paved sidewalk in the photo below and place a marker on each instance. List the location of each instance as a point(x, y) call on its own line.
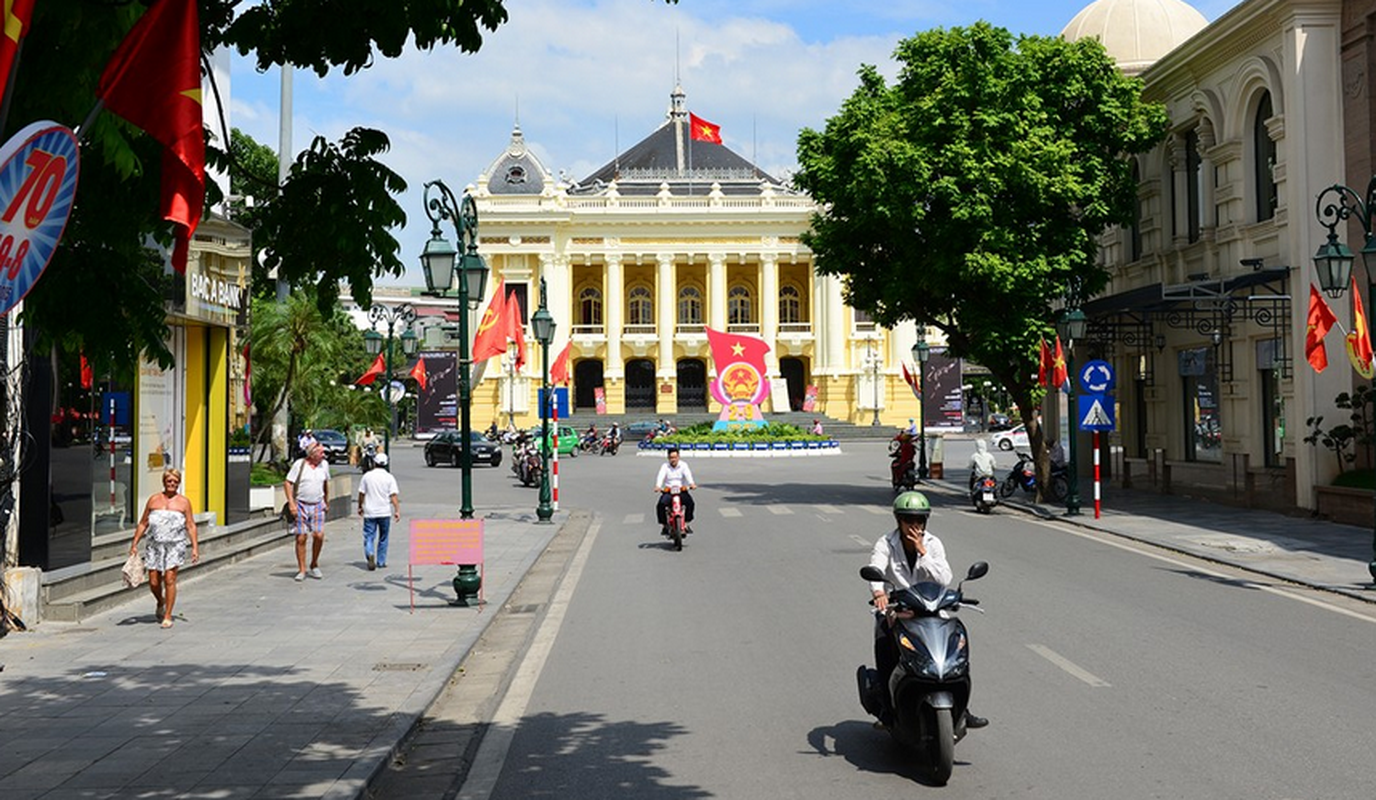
point(264, 687)
point(1298, 549)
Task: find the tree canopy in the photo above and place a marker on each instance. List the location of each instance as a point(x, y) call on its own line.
point(969, 195)
point(330, 221)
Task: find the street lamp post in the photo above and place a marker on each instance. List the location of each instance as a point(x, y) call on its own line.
point(542, 325)
point(1335, 205)
point(391, 316)
point(1072, 326)
point(921, 351)
point(438, 261)
point(873, 358)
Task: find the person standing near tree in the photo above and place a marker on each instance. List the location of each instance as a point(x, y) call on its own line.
point(379, 505)
point(308, 491)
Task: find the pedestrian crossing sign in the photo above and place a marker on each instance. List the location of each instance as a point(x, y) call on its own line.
point(1095, 412)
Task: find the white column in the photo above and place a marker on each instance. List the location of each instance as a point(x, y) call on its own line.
point(769, 309)
point(716, 292)
point(837, 327)
point(664, 315)
point(613, 305)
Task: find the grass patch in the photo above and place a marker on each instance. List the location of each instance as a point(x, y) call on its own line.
point(1357, 479)
point(702, 433)
point(265, 475)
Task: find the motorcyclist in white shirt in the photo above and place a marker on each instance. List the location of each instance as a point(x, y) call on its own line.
point(674, 474)
point(982, 462)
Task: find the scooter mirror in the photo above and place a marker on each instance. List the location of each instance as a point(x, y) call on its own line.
point(871, 573)
point(977, 570)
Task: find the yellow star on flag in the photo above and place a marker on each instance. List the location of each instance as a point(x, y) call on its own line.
point(737, 350)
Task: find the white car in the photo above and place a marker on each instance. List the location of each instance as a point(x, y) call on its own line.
point(1013, 439)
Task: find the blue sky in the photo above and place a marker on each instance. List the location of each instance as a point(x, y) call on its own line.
point(585, 76)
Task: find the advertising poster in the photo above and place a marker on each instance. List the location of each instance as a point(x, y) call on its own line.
point(944, 409)
point(810, 399)
point(600, 396)
point(437, 404)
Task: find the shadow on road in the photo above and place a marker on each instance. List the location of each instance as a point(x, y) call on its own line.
point(865, 748)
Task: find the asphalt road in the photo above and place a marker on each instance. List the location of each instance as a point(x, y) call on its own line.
point(727, 670)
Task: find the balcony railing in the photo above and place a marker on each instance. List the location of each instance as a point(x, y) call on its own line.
point(589, 330)
point(688, 328)
point(743, 327)
point(639, 330)
point(795, 327)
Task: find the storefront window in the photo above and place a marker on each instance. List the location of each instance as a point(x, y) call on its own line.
point(1272, 404)
point(1203, 428)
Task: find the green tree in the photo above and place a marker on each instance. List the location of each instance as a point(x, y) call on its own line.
point(968, 195)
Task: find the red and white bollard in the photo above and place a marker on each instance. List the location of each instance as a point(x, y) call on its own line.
point(1096, 474)
point(554, 470)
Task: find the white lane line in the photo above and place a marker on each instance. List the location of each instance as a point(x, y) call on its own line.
point(729, 512)
point(491, 755)
point(876, 510)
point(829, 510)
point(1103, 538)
point(779, 509)
point(860, 540)
point(633, 519)
point(1068, 665)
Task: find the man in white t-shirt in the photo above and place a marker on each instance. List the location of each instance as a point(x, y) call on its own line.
point(308, 491)
point(378, 505)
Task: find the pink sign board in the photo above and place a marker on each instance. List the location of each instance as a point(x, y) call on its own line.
point(444, 541)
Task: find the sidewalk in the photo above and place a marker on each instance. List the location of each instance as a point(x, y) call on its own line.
point(264, 687)
point(1302, 550)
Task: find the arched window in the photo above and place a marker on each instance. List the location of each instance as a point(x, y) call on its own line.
point(590, 306)
point(640, 306)
point(739, 309)
point(790, 304)
point(689, 306)
point(1264, 165)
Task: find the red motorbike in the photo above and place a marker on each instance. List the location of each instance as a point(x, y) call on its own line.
point(903, 469)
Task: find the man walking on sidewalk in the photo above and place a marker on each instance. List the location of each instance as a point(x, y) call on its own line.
point(378, 505)
point(308, 491)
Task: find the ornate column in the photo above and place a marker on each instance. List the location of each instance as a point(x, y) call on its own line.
point(769, 308)
point(664, 315)
point(716, 292)
point(613, 307)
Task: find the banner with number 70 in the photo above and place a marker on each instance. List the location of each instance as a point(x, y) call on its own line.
point(38, 176)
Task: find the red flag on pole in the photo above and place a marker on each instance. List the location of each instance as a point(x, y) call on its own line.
point(154, 81)
point(911, 380)
point(703, 131)
point(515, 330)
point(1319, 321)
point(418, 372)
point(88, 376)
point(1044, 365)
point(1359, 340)
point(1060, 375)
point(490, 340)
point(379, 366)
point(559, 373)
point(17, 16)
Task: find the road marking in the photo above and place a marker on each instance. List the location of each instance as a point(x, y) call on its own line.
point(633, 519)
point(875, 509)
point(729, 512)
point(496, 743)
point(860, 540)
point(830, 510)
point(1069, 666)
point(779, 509)
point(1103, 538)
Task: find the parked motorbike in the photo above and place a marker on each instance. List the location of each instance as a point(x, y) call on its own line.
point(984, 493)
point(1024, 476)
point(902, 469)
point(926, 697)
point(525, 460)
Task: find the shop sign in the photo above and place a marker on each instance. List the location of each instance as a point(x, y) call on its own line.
point(38, 177)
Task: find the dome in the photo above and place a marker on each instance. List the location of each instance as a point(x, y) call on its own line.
point(1136, 32)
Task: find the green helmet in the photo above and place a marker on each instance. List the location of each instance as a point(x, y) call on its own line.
point(912, 504)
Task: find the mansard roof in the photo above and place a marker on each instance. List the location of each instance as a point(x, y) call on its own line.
point(517, 170)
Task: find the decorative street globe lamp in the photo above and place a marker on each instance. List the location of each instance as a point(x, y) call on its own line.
point(542, 326)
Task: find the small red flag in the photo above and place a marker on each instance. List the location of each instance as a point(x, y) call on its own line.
point(418, 372)
point(88, 376)
point(515, 331)
point(16, 21)
point(1044, 364)
point(911, 379)
point(1319, 321)
point(1060, 375)
point(379, 366)
point(154, 81)
point(703, 131)
point(490, 340)
point(1359, 340)
point(559, 373)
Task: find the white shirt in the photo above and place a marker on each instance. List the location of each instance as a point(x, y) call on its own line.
point(311, 488)
point(679, 477)
point(889, 557)
point(983, 462)
point(376, 490)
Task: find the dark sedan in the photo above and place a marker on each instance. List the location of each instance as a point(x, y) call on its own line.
point(639, 430)
point(445, 449)
point(335, 444)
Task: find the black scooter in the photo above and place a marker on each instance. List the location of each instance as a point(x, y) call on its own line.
point(927, 695)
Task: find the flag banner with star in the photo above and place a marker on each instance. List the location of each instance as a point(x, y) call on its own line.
point(418, 372)
point(490, 339)
point(17, 16)
point(1359, 339)
point(703, 131)
point(379, 366)
point(154, 82)
point(739, 361)
point(1320, 319)
point(1060, 374)
point(559, 373)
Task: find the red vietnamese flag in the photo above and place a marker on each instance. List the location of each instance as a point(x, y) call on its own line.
point(418, 372)
point(739, 361)
point(911, 380)
point(1320, 319)
point(154, 82)
point(703, 131)
point(17, 16)
point(88, 375)
point(490, 340)
point(1359, 340)
point(515, 329)
point(379, 366)
point(1060, 375)
point(559, 373)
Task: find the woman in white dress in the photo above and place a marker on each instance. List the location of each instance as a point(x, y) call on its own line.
point(171, 526)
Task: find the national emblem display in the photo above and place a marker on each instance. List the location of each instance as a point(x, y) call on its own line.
point(740, 385)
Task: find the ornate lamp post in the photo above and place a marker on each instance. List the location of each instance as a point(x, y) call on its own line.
point(1335, 205)
point(438, 261)
point(1072, 327)
point(542, 325)
point(873, 358)
point(921, 351)
point(393, 317)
